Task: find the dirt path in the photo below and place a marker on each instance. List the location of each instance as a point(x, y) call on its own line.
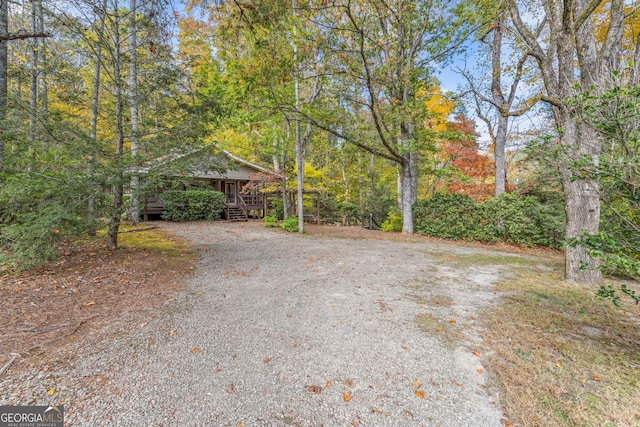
point(281, 329)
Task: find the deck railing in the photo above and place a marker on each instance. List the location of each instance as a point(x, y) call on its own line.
point(252, 199)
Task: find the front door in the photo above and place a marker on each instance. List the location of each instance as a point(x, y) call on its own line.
point(230, 193)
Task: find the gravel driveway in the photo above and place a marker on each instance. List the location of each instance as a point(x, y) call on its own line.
point(281, 329)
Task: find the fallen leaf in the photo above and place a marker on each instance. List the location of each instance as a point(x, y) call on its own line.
point(346, 396)
point(506, 423)
point(596, 379)
point(452, 321)
point(404, 347)
point(195, 350)
point(476, 353)
point(480, 371)
point(89, 304)
point(230, 388)
point(50, 392)
point(172, 332)
point(417, 384)
point(199, 292)
point(266, 360)
point(354, 423)
point(315, 389)
point(123, 280)
point(420, 394)
point(328, 384)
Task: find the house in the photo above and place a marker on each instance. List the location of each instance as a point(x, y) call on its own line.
point(230, 177)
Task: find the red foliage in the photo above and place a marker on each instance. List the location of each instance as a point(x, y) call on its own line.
point(464, 156)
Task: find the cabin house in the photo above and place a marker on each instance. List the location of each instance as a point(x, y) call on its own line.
point(229, 177)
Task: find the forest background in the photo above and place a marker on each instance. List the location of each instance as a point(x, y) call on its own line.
point(342, 97)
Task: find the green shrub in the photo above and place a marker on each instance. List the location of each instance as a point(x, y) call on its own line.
point(393, 222)
point(192, 205)
point(290, 224)
point(523, 220)
point(36, 213)
point(348, 208)
point(510, 217)
point(277, 206)
point(450, 216)
point(270, 221)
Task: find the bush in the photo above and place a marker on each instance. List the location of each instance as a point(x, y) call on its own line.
point(290, 224)
point(36, 213)
point(510, 217)
point(393, 222)
point(523, 220)
point(277, 206)
point(270, 221)
point(192, 205)
point(348, 208)
point(450, 216)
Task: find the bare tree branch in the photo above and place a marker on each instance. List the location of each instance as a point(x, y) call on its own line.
point(20, 35)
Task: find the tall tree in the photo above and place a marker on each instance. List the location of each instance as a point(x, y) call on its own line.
point(100, 12)
point(118, 179)
point(34, 71)
point(382, 54)
point(565, 48)
point(4, 30)
point(503, 103)
point(134, 210)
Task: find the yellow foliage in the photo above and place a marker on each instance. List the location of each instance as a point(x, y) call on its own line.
point(602, 21)
point(311, 173)
point(438, 108)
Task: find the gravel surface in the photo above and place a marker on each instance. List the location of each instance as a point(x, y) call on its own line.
point(281, 329)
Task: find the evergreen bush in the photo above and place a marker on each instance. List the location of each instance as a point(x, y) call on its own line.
point(450, 216)
point(510, 217)
point(192, 205)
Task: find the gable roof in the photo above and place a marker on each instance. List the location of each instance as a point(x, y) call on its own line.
point(165, 160)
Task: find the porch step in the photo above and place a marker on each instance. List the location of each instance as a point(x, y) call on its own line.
point(235, 213)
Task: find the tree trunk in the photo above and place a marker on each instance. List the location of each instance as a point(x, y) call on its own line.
point(134, 210)
point(407, 199)
point(400, 187)
point(42, 47)
point(499, 154)
point(95, 100)
point(114, 226)
point(286, 206)
point(582, 205)
point(570, 40)
point(299, 146)
point(33, 74)
point(4, 29)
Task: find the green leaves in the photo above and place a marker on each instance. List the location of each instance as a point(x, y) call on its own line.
point(192, 205)
point(510, 217)
point(615, 114)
